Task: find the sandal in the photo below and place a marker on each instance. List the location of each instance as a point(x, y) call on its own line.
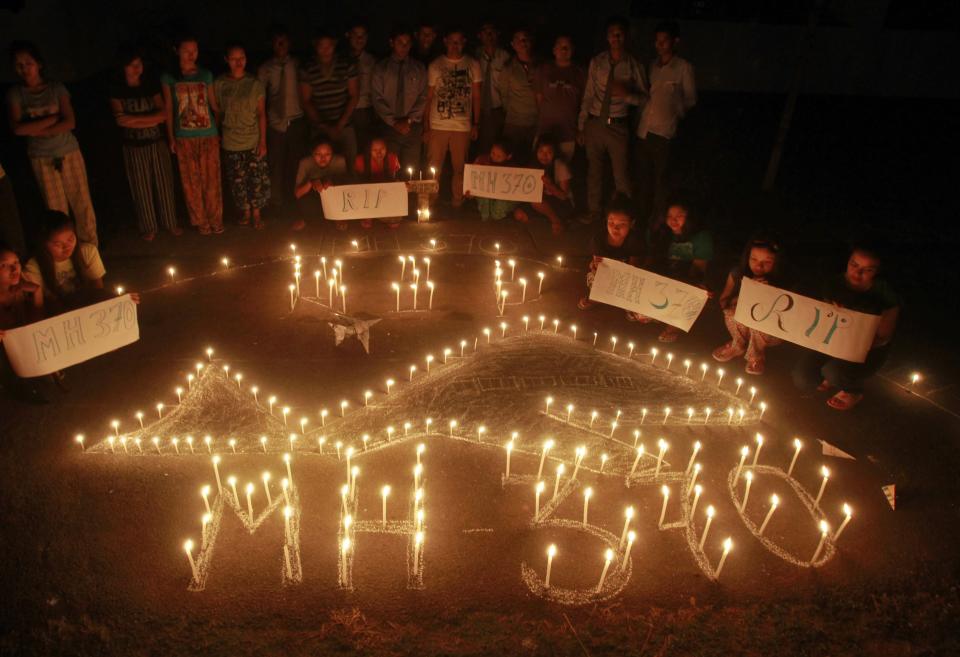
point(585, 303)
point(669, 334)
point(844, 401)
point(755, 366)
point(727, 352)
point(148, 237)
point(824, 386)
point(244, 221)
point(203, 230)
point(366, 223)
point(218, 230)
point(176, 231)
point(259, 224)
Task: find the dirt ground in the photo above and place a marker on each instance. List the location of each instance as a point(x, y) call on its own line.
point(92, 558)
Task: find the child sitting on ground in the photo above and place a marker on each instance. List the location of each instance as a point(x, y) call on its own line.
point(763, 262)
point(679, 249)
point(557, 203)
point(618, 241)
point(493, 208)
point(377, 165)
point(21, 303)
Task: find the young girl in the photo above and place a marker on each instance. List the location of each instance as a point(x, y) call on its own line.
point(21, 303)
point(556, 205)
point(377, 164)
point(762, 261)
point(69, 272)
point(317, 171)
point(243, 117)
point(192, 136)
point(493, 208)
point(862, 289)
point(618, 241)
point(137, 106)
point(679, 249)
point(40, 110)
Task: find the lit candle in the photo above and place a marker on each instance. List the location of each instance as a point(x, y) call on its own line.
point(526, 323)
point(628, 516)
point(774, 503)
point(593, 417)
point(613, 427)
point(706, 529)
point(594, 338)
point(653, 356)
point(503, 328)
point(160, 411)
point(173, 274)
point(689, 415)
point(175, 442)
point(233, 486)
point(79, 440)
point(542, 319)
point(753, 393)
point(285, 412)
point(509, 448)
point(686, 367)
point(538, 491)
point(706, 414)
point(666, 414)
point(431, 286)
point(744, 452)
point(190, 443)
point(746, 493)
point(825, 471)
point(665, 491)
point(693, 456)
point(643, 415)
point(613, 341)
point(608, 557)
point(486, 332)
point(664, 446)
point(413, 368)
point(763, 409)
point(848, 513)
point(396, 288)
point(669, 360)
point(587, 494)
point(727, 546)
point(636, 461)
point(453, 425)
point(560, 261)
point(421, 448)
point(581, 451)
point(266, 487)
point(703, 369)
point(697, 492)
point(603, 460)
point(739, 383)
point(250, 500)
point(480, 431)
point(540, 275)
point(384, 493)
point(551, 553)
point(719, 376)
point(556, 484)
point(756, 454)
point(729, 415)
point(291, 287)
point(824, 532)
point(323, 417)
point(188, 548)
point(549, 401)
point(216, 470)
point(233, 445)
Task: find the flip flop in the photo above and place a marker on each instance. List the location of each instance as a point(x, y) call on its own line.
point(844, 401)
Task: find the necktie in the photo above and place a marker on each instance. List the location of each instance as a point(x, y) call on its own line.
point(399, 108)
point(281, 109)
point(607, 94)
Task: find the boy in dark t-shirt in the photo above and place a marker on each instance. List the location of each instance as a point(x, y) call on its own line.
point(618, 241)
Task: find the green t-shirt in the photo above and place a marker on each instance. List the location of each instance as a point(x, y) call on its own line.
point(698, 247)
point(192, 116)
point(238, 100)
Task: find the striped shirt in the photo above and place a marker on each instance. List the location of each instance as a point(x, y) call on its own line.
point(328, 87)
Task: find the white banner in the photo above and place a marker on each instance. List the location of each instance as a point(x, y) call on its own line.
point(59, 342)
point(504, 183)
point(641, 291)
point(368, 201)
point(817, 325)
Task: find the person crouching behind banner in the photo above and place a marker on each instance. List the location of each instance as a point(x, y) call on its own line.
point(316, 172)
point(763, 262)
point(69, 272)
point(21, 303)
point(860, 288)
point(495, 209)
point(679, 249)
point(377, 165)
point(557, 203)
point(618, 240)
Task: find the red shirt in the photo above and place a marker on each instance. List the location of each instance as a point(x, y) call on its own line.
point(377, 173)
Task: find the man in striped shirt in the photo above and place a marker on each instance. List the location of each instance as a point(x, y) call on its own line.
point(328, 92)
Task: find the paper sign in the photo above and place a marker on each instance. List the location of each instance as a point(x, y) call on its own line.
point(817, 325)
point(631, 288)
point(73, 337)
point(504, 183)
point(832, 450)
point(368, 201)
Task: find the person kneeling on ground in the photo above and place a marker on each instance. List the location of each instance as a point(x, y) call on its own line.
point(763, 262)
point(494, 208)
point(377, 164)
point(618, 241)
point(21, 303)
point(556, 205)
point(860, 288)
point(316, 172)
point(679, 249)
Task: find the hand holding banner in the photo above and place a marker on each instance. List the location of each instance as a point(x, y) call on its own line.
point(810, 323)
point(59, 342)
point(631, 288)
point(504, 183)
point(367, 201)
